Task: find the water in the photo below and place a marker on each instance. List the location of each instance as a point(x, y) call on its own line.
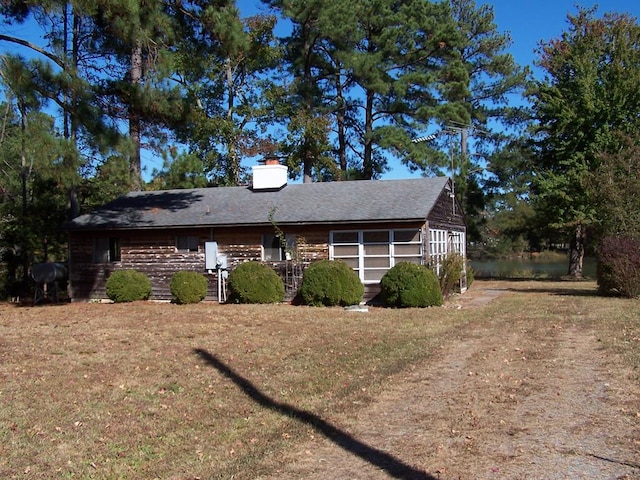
point(529, 268)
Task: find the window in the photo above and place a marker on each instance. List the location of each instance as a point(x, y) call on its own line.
point(274, 251)
point(407, 246)
point(371, 253)
point(186, 243)
point(271, 248)
point(106, 249)
point(376, 258)
point(346, 247)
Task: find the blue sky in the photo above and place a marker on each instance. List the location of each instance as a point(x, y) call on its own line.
point(530, 21)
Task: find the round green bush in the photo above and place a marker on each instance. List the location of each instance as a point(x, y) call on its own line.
point(255, 282)
point(410, 285)
point(188, 287)
point(128, 286)
point(330, 283)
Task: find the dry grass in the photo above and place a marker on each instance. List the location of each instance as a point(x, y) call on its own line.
point(212, 391)
point(615, 322)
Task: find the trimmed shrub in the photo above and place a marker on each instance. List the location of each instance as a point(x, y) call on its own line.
point(410, 285)
point(619, 266)
point(451, 272)
point(255, 282)
point(188, 287)
point(128, 286)
point(330, 283)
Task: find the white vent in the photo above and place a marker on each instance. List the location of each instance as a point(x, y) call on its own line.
point(269, 177)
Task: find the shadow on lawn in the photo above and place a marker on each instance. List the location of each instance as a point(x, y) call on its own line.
point(556, 290)
point(383, 460)
point(563, 287)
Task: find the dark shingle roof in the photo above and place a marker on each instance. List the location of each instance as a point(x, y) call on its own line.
point(315, 203)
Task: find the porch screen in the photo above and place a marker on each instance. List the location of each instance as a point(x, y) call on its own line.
point(443, 242)
point(371, 253)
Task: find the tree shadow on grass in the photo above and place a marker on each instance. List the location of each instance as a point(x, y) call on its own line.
point(557, 290)
point(564, 287)
point(383, 460)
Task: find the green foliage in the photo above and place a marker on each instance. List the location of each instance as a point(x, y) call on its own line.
point(377, 75)
point(512, 226)
point(493, 78)
point(331, 283)
point(110, 181)
point(255, 282)
point(34, 196)
point(188, 287)
point(451, 271)
point(225, 66)
point(619, 266)
point(128, 286)
point(409, 285)
point(616, 183)
point(183, 170)
point(586, 97)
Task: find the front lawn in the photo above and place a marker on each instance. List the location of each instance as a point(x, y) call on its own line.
point(152, 390)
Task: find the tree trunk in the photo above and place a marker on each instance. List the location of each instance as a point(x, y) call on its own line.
point(576, 252)
point(341, 124)
point(233, 166)
point(307, 167)
point(70, 116)
point(25, 173)
point(308, 158)
point(367, 160)
point(134, 118)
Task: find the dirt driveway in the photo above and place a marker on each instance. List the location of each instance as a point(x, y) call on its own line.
point(515, 404)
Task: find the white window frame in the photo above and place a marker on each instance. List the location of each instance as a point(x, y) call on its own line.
point(442, 242)
point(358, 257)
point(438, 245)
point(457, 243)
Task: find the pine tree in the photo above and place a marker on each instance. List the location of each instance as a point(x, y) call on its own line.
point(224, 68)
point(370, 71)
point(493, 80)
point(30, 181)
point(135, 40)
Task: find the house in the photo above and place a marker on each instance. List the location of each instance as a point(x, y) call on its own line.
point(371, 225)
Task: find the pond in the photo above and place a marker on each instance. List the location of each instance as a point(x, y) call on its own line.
point(529, 268)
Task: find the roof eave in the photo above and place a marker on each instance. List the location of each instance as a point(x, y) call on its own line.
point(88, 228)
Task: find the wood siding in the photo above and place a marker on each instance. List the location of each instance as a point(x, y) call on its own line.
point(154, 252)
point(444, 216)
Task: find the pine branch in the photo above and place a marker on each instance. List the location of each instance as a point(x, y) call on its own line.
point(35, 48)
